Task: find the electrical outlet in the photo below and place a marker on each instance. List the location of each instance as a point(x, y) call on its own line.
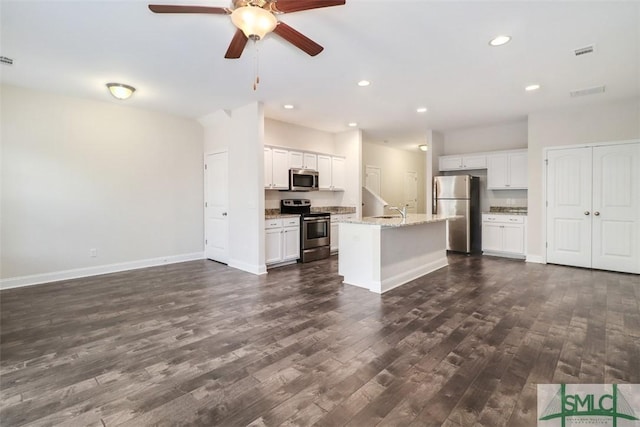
point(93, 252)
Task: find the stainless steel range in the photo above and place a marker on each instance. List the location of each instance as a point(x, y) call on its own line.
point(315, 236)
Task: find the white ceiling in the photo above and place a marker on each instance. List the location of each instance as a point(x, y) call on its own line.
point(415, 53)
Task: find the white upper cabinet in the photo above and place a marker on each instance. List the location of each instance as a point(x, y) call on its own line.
point(296, 159)
point(310, 161)
point(276, 169)
point(337, 173)
point(324, 172)
point(462, 162)
point(507, 171)
point(300, 160)
point(330, 173)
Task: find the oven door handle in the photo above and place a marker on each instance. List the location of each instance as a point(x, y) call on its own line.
point(316, 219)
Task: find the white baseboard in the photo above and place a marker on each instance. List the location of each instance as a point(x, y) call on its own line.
point(538, 259)
point(56, 276)
point(407, 276)
point(249, 268)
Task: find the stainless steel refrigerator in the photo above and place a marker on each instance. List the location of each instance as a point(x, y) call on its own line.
point(459, 195)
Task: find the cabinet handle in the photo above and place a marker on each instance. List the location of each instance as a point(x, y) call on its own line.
point(596, 213)
point(586, 212)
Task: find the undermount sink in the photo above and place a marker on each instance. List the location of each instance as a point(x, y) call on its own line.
point(387, 216)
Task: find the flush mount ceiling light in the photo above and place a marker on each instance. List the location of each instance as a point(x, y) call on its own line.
point(363, 83)
point(421, 109)
point(423, 147)
point(500, 40)
point(352, 124)
point(288, 107)
point(531, 88)
point(120, 90)
point(255, 22)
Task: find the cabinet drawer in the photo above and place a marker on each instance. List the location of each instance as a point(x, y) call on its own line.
point(509, 219)
point(273, 223)
point(291, 222)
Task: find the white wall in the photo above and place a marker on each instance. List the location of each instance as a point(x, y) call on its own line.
point(506, 136)
point(80, 174)
point(241, 132)
point(349, 145)
point(393, 164)
point(616, 121)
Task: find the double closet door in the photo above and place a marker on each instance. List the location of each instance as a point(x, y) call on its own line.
point(593, 207)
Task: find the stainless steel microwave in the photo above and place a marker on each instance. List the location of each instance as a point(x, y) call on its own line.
point(303, 180)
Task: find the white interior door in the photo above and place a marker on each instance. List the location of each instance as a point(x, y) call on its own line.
point(411, 191)
point(569, 207)
point(216, 207)
point(372, 179)
point(616, 208)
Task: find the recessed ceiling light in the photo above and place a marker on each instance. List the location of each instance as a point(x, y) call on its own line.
point(500, 40)
point(532, 88)
point(288, 106)
point(363, 83)
point(352, 124)
point(421, 109)
point(423, 147)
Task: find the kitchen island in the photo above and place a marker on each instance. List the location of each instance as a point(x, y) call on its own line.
point(381, 253)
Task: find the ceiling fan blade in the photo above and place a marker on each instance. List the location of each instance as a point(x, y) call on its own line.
point(166, 8)
point(237, 45)
point(288, 6)
point(298, 39)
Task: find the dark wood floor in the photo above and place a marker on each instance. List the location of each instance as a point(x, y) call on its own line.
point(198, 343)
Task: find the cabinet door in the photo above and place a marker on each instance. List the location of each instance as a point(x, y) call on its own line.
point(280, 169)
point(450, 163)
point(295, 159)
point(268, 168)
point(273, 245)
point(291, 243)
point(474, 162)
point(518, 175)
point(337, 173)
point(497, 171)
point(513, 238)
point(310, 161)
point(491, 237)
point(324, 172)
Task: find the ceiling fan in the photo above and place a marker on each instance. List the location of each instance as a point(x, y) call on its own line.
point(256, 18)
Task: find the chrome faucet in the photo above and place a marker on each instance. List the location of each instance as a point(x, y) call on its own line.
point(403, 211)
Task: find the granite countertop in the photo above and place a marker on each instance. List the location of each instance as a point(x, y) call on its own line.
point(398, 221)
point(507, 210)
point(335, 210)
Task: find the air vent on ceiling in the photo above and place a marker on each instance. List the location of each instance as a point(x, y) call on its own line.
point(584, 50)
point(587, 91)
point(5, 60)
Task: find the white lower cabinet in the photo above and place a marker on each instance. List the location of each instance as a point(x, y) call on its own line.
point(282, 240)
point(335, 229)
point(504, 235)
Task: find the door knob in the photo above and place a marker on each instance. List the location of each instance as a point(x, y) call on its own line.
point(596, 213)
point(586, 212)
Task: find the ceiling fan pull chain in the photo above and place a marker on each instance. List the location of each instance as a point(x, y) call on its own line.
point(257, 65)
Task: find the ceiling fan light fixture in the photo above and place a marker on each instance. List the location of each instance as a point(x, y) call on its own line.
point(120, 90)
point(255, 22)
